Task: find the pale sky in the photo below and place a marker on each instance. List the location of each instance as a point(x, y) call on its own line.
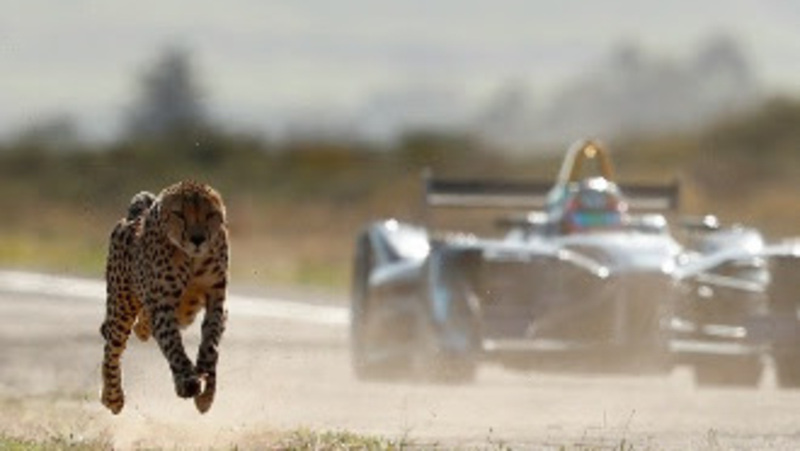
point(259, 59)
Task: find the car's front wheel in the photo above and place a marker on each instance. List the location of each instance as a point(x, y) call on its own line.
point(363, 364)
point(448, 338)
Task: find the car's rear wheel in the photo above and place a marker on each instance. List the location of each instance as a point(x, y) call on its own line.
point(784, 297)
point(787, 370)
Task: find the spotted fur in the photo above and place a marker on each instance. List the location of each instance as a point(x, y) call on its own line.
point(167, 260)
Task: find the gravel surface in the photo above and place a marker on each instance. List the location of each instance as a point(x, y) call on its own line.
point(278, 375)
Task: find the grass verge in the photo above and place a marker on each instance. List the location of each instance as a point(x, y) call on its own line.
point(302, 439)
point(52, 444)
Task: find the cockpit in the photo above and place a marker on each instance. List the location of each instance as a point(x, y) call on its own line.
point(593, 205)
point(579, 202)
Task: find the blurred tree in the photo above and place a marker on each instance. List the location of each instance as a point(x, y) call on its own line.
point(170, 103)
point(56, 133)
point(427, 148)
point(510, 116)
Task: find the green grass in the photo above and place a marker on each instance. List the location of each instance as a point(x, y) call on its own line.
point(53, 253)
point(302, 439)
point(305, 439)
point(308, 440)
point(52, 444)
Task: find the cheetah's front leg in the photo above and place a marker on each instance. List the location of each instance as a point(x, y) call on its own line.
point(208, 354)
point(167, 334)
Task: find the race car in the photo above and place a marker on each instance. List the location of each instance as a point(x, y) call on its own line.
point(585, 274)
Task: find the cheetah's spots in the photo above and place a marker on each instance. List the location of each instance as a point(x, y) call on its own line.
point(157, 281)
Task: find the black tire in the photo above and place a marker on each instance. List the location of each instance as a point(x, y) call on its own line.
point(729, 371)
point(363, 367)
point(434, 360)
point(374, 353)
point(784, 297)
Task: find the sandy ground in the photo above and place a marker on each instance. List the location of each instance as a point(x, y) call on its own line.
point(282, 375)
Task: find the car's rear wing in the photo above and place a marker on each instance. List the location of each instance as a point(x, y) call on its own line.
point(532, 195)
point(452, 193)
point(647, 197)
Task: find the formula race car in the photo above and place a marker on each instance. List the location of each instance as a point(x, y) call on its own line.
point(585, 274)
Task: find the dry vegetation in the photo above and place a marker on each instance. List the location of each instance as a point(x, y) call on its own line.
point(295, 207)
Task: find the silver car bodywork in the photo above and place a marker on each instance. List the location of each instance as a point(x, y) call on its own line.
point(621, 293)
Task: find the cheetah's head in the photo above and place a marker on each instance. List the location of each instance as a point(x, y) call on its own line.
point(193, 215)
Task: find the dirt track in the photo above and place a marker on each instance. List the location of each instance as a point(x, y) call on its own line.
point(278, 375)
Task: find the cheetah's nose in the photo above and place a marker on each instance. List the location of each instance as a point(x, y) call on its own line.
point(197, 240)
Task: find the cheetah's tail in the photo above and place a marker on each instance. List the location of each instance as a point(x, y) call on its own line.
point(139, 204)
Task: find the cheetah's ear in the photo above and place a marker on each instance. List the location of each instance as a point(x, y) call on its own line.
point(139, 204)
point(216, 200)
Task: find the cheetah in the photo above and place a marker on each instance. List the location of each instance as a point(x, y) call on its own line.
point(167, 260)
